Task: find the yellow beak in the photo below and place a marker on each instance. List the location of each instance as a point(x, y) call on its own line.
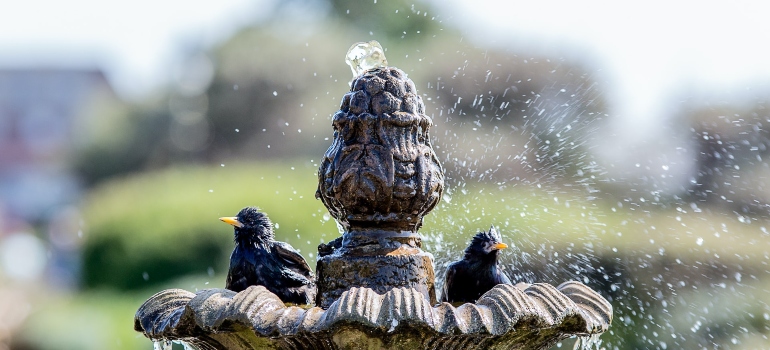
point(232, 221)
point(499, 246)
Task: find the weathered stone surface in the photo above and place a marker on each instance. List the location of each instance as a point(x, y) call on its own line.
point(380, 273)
point(507, 317)
point(378, 179)
point(380, 170)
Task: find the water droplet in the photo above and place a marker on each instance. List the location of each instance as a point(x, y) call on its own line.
point(162, 345)
point(364, 56)
point(393, 325)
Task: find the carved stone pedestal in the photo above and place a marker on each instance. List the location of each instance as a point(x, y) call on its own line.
point(379, 178)
point(381, 273)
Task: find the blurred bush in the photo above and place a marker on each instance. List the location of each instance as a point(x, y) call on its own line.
point(87, 321)
point(122, 139)
point(732, 145)
point(271, 96)
point(408, 20)
point(150, 228)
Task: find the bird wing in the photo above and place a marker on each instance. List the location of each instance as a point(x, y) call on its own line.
point(292, 259)
point(239, 273)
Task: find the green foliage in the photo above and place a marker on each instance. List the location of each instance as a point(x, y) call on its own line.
point(276, 91)
point(150, 228)
point(87, 321)
point(404, 19)
point(122, 142)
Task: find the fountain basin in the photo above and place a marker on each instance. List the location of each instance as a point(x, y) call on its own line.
point(524, 316)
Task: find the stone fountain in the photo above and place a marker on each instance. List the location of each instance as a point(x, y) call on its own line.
point(376, 286)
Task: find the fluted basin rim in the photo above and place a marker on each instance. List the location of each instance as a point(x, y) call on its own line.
point(178, 314)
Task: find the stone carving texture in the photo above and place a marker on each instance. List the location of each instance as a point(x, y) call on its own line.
point(507, 317)
point(381, 169)
point(378, 179)
point(379, 273)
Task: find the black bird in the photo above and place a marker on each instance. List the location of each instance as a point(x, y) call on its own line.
point(474, 275)
point(258, 259)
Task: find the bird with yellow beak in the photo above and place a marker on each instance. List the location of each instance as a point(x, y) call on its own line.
point(258, 259)
point(468, 279)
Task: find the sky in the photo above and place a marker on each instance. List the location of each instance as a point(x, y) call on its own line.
point(135, 41)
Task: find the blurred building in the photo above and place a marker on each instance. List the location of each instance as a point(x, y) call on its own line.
point(39, 112)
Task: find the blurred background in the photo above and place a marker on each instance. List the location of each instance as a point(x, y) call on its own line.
point(622, 145)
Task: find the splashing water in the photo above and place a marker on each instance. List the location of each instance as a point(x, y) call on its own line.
point(168, 345)
point(162, 345)
point(188, 346)
point(588, 343)
point(364, 56)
